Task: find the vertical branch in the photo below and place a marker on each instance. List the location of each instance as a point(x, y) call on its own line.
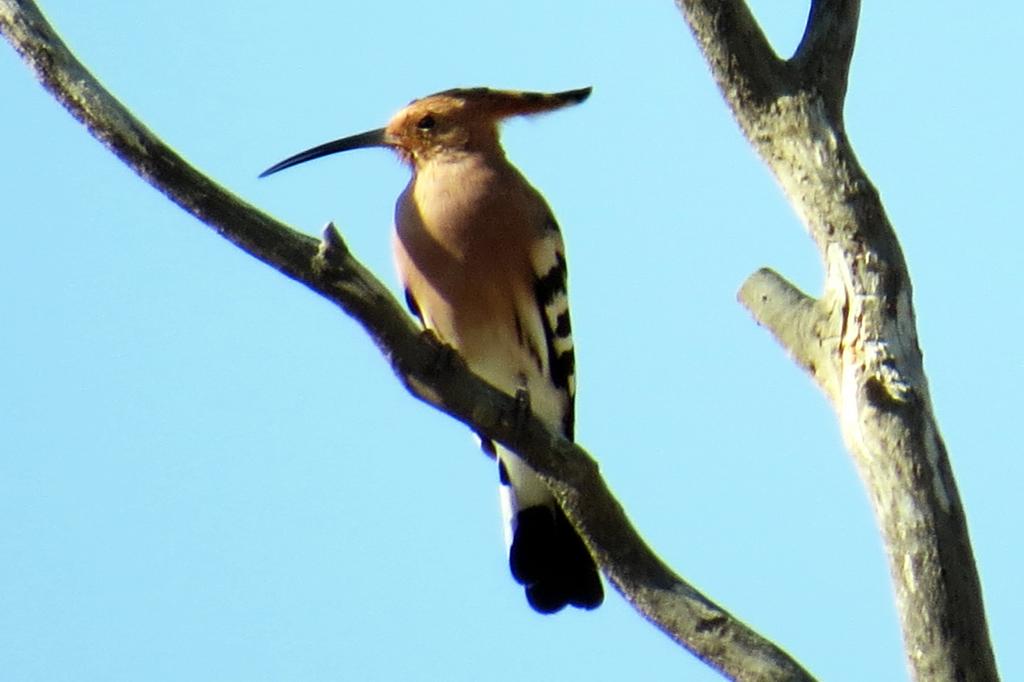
point(823, 57)
point(859, 340)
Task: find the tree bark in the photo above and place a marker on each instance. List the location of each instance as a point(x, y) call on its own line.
point(859, 339)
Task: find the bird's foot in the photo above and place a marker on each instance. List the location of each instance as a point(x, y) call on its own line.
point(521, 411)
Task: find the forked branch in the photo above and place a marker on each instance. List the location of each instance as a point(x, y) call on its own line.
point(859, 340)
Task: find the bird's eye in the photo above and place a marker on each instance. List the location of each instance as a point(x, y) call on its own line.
point(425, 123)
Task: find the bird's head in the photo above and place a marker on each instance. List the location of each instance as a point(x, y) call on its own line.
point(463, 119)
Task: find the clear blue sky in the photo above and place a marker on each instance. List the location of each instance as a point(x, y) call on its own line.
point(209, 473)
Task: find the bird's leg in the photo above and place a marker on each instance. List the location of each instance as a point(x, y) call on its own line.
point(521, 411)
point(516, 419)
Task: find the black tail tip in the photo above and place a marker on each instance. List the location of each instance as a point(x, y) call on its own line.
point(550, 560)
point(584, 592)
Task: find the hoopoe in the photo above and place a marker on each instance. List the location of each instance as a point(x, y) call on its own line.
point(482, 262)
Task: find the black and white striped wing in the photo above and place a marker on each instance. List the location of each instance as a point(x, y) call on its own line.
point(550, 288)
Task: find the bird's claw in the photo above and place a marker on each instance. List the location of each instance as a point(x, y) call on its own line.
point(521, 411)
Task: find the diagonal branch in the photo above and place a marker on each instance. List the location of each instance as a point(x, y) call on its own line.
point(860, 343)
point(429, 371)
point(742, 60)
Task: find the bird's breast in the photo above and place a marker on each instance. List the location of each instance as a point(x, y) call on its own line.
point(463, 233)
point(466, 214)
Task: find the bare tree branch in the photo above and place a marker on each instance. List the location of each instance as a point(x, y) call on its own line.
point(431, 372)
point(859, 340)
point(822, 60)
point(741, 59)
point(788, 313)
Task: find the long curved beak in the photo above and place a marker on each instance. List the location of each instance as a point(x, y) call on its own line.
point(371, 138)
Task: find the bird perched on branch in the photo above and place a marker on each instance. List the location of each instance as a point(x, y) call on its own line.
point(482, 262)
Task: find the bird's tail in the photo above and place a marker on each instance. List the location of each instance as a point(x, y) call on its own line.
point(546, 554)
